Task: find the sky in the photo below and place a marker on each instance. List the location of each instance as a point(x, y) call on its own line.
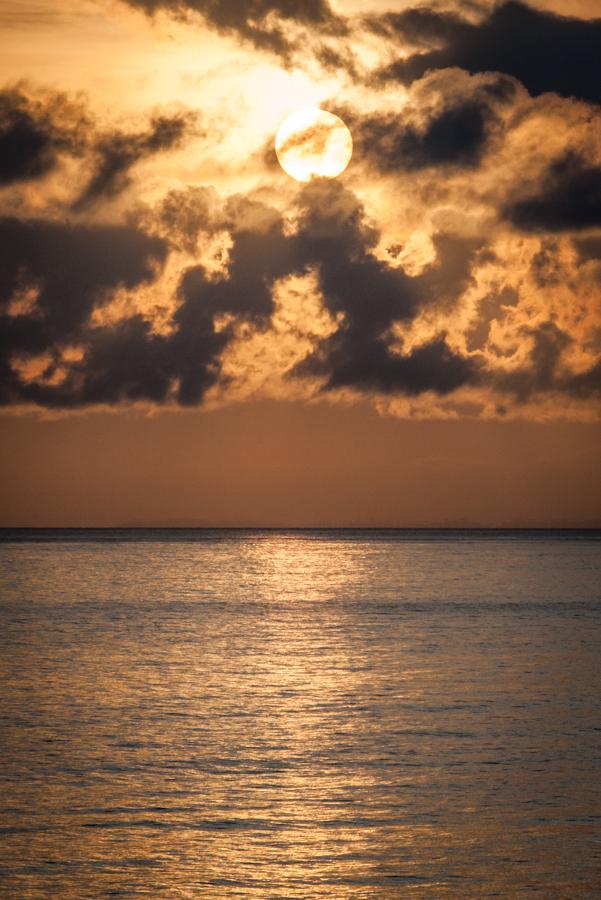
point(189, 336)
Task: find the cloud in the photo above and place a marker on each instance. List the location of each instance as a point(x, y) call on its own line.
point(446, 119)
point(39, 127)
point(257, 258)
point(454, 135)
point(117, 153)
point(545, 371)
point(371, 366)
point(390, 332)
point(585, 384)
point(544, 51)
point(264, 23)
point(589, 249)
point(453, 268)
point(540, 372)
point(184, 214)
point(368, 296)
point(33, 132)
point(569, 199)
point(71, 271)
point(67, 271)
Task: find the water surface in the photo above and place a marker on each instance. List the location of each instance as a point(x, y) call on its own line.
point(303, 714)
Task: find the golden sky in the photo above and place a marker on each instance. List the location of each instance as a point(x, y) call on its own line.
point(158, 266)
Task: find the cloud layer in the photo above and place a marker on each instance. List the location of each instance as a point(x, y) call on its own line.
point(544, 51)
point(455, 269)
point(264, 23)
point(34, 130)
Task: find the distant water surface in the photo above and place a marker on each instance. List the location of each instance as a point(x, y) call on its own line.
point(300, 714)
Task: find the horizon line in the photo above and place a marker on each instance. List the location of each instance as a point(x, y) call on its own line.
point(255, 527)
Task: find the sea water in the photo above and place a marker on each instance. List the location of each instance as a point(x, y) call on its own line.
point(300, 714)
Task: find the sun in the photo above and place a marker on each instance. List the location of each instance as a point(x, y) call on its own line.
point(313, 142)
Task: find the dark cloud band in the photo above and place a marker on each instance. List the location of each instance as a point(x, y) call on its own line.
point(264, 23)
point(546, 52)
point(568, 199)
point(118, 153)
point(33, 132)
point(73, 270)
point(38, 127)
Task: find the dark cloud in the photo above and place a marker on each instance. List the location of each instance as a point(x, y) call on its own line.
point(260, 254)
point(75, 269)
point(71, 271)
point(123, 362)
point(374, 367)
point(368, 297)
point(491, 308)
point(256, 259)
point(264, 23)
point(117, 153)
point(585, 384)
point(37, 126)
point(546, 52)
point(73, 266)
point(589, 248)
point(371, 296)
point(30, 135)
point(184, 214)
point(454, 137)
point(447, 122)
point(544, 373)
point(568, 199)
point(549, 342)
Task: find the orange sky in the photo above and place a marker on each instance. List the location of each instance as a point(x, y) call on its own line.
point(280, 464)
point(192, 337)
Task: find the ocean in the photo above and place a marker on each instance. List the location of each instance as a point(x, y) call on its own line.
point(300, 714)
